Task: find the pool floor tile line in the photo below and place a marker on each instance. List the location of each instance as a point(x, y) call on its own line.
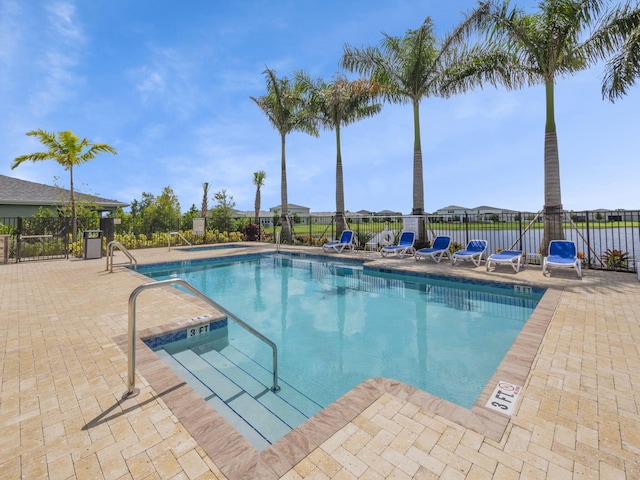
point(578, 415)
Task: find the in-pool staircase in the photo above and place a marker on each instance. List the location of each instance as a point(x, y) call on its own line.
point(237, 388)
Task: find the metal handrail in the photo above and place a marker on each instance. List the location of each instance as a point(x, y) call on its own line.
point(111, 247)
point(179, 235)
point(132, 391)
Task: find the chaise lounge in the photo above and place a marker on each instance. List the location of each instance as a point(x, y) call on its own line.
point(509, 257)
point(404, 246)
point(438, 249)
point(346, 241)
point(381, 239)
point(562, 253)
point(475, 251)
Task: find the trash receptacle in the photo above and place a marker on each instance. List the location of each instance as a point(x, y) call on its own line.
point(92, 244)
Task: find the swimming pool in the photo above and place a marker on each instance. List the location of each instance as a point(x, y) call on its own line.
point(337, 324)
point(202, 248)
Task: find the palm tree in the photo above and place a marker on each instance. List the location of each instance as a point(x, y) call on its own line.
point(551, 43)
point(68, 150)
point(624, 67)
point(336, 104)
point(285, 108)
point(418, 66)
point(258, 181)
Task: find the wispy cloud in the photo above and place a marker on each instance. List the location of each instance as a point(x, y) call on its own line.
point(62, 20)
point(167, 80)
point(10, 34)
point(62, 46)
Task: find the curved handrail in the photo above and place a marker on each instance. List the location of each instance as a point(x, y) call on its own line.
point(111, 247)
point(131, 374)
point(179, 235)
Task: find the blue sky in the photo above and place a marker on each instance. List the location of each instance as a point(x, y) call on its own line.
point(168, 83)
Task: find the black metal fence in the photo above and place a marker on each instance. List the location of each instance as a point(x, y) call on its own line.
point(36, 238)
point(605, 239)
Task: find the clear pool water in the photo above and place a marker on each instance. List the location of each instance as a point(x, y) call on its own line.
point(337, 324)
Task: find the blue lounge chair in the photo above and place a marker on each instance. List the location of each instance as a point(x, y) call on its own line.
point(346, 241)
point(562, 253)
point(475, 250)
point(511, 257)
point(404, 246)
point(439, 248)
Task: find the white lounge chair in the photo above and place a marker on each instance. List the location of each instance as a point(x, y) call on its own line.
point(381, 239)
point(475, 250)
point(510, 257)
point(346, 241)
point(438, 249)
point(404, 246)
point(562, 253)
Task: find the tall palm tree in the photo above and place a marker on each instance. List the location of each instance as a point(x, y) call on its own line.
point(418, 66)
point(623, 69)
point(285, 108)
point(551, 43)
point(68, 150)
point(339, 103)
point(258, 181)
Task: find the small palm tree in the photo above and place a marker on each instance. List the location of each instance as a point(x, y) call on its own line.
point(68, 150)
point(551, 43)
point(285, 108)
point(418, 66)
point(336, 104)
point(258, 181)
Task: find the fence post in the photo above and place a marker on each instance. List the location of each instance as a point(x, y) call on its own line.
point(18, 240)
point(466, 229)
point(586, 225)
point(520, 232)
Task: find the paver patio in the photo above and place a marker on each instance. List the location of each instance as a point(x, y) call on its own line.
point(63, 376)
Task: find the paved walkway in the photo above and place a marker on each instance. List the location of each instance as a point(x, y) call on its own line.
point(63, 376)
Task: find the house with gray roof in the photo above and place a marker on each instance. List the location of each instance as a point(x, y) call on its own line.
point(21, 198)
point(455, 213)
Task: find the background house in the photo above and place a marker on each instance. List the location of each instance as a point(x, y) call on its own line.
point(455, 213)
point(21, 198)
point(293, 209)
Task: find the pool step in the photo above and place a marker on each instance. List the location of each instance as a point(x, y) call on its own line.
point(240, 392)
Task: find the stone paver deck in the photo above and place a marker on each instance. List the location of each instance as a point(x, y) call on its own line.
point(64, 373)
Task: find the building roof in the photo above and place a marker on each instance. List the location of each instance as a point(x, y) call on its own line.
point(480, 207)
point(14, 191)
point(290, 206)
point(453, 207)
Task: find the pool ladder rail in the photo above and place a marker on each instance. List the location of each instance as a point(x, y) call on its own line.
point(132, 391)
point(178, 234)
point(111, 247)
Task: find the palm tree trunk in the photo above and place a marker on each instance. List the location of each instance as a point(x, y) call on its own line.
point(340, 218)
point(256, 206)
point(74, 219)
point(205, 200)
point(418, 182)
point(284, 201)
point(552, 196)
